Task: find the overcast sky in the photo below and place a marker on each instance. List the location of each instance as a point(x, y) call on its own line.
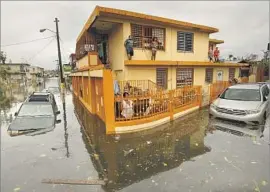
point(243, 25)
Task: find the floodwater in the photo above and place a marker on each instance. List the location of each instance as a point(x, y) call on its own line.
point(186, 155)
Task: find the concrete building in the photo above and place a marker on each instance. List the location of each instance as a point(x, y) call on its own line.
point(181, 61)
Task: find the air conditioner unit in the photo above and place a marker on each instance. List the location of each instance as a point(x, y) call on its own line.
point(89, 47)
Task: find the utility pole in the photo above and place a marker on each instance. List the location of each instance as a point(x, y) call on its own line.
point(59, 57)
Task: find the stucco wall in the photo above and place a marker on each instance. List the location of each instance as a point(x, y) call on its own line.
point(201, 42)
point(116, 47)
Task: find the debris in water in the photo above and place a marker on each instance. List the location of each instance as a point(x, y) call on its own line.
point(264, 183)
point(165, 164)
point(148, 142)
point(42, 155)
point(128, 152)
point(197, 144)
point(253, 162)
point(17, 189)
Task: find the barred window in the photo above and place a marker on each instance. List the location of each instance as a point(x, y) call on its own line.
point(231, 73)
point(184, 77)
point(209, 75)
point(143, 35)
point(162, 77)
point(184, 41)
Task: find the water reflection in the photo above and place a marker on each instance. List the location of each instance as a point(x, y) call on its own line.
point(65, 125)
point(133, 157)
point(238, 129)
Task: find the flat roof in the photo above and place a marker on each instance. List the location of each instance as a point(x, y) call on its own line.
point(129, 14)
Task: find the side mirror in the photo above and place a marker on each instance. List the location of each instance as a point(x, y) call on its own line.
point(16, 114)
point(265, 98)
point(58, 121)
point(57, 112)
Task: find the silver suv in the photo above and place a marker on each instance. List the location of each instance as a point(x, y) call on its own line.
point(246, 103)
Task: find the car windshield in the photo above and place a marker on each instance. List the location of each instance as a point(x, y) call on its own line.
point(53, 89)
point(35, 110)
point(242, 94)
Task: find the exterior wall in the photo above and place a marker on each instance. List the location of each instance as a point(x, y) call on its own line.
point(201, 43)
point(83, 62)
point(116, 47)
point(149, 73)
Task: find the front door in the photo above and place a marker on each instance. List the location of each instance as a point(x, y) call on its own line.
point(220, 76)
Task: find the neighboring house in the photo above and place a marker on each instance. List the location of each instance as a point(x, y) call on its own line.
point(181, 59)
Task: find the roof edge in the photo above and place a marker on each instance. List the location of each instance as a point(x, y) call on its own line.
point(99, 9)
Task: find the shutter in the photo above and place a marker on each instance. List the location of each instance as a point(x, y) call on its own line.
point(184, 77)
point(189, 42)
point(231, 73)
point(162, 79)
point(209, 75)
point(180, 41)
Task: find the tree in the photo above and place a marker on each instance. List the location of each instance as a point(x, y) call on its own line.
point(3, 57)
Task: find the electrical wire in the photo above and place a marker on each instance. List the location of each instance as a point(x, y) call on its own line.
point(20, 43)
point(31, 58)
point(63, 47)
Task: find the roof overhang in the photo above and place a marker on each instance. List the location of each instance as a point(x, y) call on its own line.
point(216, 41)
point(181, 63)
point(103, 11)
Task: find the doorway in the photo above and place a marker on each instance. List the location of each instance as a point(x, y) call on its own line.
point(103, 47)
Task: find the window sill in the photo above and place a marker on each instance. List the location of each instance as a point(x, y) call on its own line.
point(178, 51)
point(138, 48)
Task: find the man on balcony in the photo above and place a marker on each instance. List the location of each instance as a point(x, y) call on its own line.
point(129, 47)
point(216, 55)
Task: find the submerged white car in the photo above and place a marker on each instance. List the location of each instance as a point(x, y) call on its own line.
point(247, 103)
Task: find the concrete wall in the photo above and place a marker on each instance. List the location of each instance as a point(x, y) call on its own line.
point(200, 49)
point(149, 73)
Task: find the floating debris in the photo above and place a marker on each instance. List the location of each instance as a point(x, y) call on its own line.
point(17, 189)
point(42, 155)
point(148, 142)
point(165, 164)
point(264, 183)
point(128, 152)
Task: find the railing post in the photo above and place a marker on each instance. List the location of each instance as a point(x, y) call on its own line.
point(108, 95)
point(171, 106)
point(199, 89)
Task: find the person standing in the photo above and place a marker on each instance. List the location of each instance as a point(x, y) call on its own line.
point(154, 47)
point(129, 47)
point(127, 107)
point(210, 54)
point(216, 55)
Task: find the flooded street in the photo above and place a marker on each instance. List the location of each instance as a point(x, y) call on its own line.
point(186, 155)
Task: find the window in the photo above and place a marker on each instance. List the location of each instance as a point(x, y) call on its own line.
point(162, 77)
point(231, 73)
point(209, 75)
point(241, 94)
point(184, 41)
point(184, 77)
point(143, 36)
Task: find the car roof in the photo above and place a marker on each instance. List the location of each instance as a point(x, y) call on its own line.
point(37, 103)
point(41, 93)
point(247, 86)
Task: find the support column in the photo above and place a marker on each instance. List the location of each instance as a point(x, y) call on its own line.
point(108, 98)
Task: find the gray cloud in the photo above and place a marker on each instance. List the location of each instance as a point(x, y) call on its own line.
point(243, 25)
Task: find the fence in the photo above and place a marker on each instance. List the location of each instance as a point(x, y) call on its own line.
point(143, 106)
point(217, 88)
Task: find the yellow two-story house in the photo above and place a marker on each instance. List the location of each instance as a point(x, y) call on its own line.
point(181, 58)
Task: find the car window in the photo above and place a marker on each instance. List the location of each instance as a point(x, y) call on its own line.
point(35, 110)
point(242, 94)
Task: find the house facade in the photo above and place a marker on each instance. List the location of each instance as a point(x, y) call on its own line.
point(181, 59)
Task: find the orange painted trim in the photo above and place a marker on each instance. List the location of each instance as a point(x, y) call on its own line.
point(185, 107)
point(181, 63)
point(90, 68)
point(216, 41)
point(118, 12)
point(142, 121)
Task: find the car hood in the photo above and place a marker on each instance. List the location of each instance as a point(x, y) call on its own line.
point(31, 123)
point(240, 105)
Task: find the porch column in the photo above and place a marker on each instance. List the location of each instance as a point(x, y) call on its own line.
point(108, 94)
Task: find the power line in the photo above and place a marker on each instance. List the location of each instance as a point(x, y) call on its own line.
point(26, 42)
point(41, 50)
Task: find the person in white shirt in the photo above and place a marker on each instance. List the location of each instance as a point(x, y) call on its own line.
point(127, 107)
